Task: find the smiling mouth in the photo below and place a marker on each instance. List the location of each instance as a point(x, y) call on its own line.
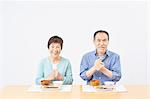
point(55, 53)
point(101, 48)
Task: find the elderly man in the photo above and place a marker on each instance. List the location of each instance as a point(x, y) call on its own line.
point(100, 64)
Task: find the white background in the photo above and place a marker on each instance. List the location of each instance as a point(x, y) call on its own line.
point(25, 28)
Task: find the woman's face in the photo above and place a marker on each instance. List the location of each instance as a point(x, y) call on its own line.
point(54, 49)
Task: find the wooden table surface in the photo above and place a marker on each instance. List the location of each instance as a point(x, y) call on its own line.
point(20, 92)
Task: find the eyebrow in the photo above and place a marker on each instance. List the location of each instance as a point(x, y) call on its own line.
point(102, 39)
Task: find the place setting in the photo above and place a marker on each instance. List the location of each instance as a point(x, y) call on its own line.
point(50, 86)
point(108, 86)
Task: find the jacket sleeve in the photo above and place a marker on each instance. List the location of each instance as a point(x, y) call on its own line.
point(40, 74)
point(68, 75)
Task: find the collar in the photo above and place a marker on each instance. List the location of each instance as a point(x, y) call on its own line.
point(107, 52)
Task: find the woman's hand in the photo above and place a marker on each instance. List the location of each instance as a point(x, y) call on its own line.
point(51, 76)
point(55, 75)
point(58, 76)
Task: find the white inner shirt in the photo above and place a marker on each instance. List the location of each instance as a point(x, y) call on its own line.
point(54, 66)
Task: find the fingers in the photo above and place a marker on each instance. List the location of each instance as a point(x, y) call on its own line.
point(98, 64)
point(55, 75)
point(59, 77)
point(51, 76)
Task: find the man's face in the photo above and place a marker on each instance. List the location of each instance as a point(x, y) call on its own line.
point(54, 49)
point(101, 42)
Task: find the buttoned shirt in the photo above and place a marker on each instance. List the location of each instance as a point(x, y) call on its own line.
point(110, 60)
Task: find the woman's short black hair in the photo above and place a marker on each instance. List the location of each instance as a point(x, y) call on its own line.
point(55, 39)
point(101, 31)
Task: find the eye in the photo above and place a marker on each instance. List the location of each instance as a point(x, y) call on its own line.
point(58, 47)
point(51, 46)
point(98, 40)
point(104, 40)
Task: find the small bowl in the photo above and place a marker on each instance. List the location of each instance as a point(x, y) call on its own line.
point(45, 82)
point(95, 83)
point(109, 84)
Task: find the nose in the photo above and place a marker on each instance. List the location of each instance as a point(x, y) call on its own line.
point(54, 49)
point(101, 43)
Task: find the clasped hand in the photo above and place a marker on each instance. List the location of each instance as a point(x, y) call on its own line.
point(55, 75)
point(98, 64)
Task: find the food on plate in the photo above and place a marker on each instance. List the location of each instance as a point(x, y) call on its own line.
point(95, 82)
point(45, 82)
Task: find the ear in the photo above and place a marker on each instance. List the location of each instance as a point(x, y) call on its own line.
point(108, 41)
point(93, 41)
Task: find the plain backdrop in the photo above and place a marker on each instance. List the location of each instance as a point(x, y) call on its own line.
point(25, 28)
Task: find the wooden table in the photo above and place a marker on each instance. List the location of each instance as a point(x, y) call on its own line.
point(20, 92)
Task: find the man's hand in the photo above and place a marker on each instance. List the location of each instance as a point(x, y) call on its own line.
point(98, 64)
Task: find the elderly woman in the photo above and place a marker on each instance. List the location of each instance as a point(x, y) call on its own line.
point(55, 67)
